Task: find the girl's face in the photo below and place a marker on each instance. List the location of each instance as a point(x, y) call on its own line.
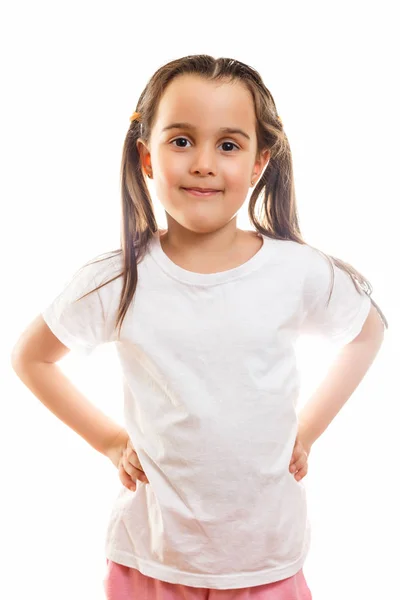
point(198, 153)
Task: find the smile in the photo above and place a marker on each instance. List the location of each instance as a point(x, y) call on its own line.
point(198, 193)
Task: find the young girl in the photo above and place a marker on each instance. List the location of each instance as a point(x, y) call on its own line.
point(204, 317)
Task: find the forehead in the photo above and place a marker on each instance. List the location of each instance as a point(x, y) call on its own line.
point(206, 104)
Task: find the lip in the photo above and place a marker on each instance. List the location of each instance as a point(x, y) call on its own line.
point(200, 193)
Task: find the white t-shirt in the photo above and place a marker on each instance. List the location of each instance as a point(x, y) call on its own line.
point(210, 392)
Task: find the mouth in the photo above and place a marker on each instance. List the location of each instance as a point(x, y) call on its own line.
point(199, 192)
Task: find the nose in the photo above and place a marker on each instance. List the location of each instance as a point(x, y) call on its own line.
point(204, 162)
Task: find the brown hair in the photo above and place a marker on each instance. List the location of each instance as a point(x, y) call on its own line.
point(276, 216)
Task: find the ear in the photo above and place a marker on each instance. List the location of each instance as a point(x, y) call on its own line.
point(261, 162)
point(144, 153)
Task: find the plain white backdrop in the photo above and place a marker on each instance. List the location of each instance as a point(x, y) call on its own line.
point(72, 74)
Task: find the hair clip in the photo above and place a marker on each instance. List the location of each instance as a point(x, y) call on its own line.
point(136, 115)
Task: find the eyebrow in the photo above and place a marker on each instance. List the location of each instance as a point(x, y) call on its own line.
point(192, 127)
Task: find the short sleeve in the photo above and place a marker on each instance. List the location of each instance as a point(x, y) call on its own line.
point(342, 319)
point(79, 324)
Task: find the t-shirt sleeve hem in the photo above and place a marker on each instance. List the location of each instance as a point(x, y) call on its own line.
point(351, 333)
point(63, 335)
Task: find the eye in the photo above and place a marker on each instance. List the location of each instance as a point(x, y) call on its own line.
point(186, 140)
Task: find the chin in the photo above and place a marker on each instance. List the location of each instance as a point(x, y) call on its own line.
point(204, 225)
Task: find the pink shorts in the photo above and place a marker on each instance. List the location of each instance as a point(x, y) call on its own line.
point(126, 583)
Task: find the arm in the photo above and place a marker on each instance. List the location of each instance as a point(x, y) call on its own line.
point(34, 361)
point(345, 374)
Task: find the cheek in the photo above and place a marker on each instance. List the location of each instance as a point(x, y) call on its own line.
point(170, 171)
point(238, 173)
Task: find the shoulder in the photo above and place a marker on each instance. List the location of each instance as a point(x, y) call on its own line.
point(298, 254)
point(97, 271)
point(313, 270)
point(313, 259)
point(103, 265)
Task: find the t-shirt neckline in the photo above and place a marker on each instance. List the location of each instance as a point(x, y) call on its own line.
point(191, 277)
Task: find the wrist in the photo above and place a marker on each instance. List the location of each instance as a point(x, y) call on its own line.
point(305, 436)
point(116, 446)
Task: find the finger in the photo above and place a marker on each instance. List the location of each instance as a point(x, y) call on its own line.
point(301, 473)
point(297, 451)
point(133, 458)
point(126, 479)
point(134, 461)
point(301, 461)
point(130, 480)
point(298, 464)
point(133, 471)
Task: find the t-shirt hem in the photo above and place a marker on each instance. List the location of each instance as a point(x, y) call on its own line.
point(351, 333)
point(63, 335)
point(219, 582)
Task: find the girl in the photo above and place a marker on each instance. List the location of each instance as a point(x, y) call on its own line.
point(204, 317)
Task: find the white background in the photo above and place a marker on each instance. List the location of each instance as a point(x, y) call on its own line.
point(72, 74)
